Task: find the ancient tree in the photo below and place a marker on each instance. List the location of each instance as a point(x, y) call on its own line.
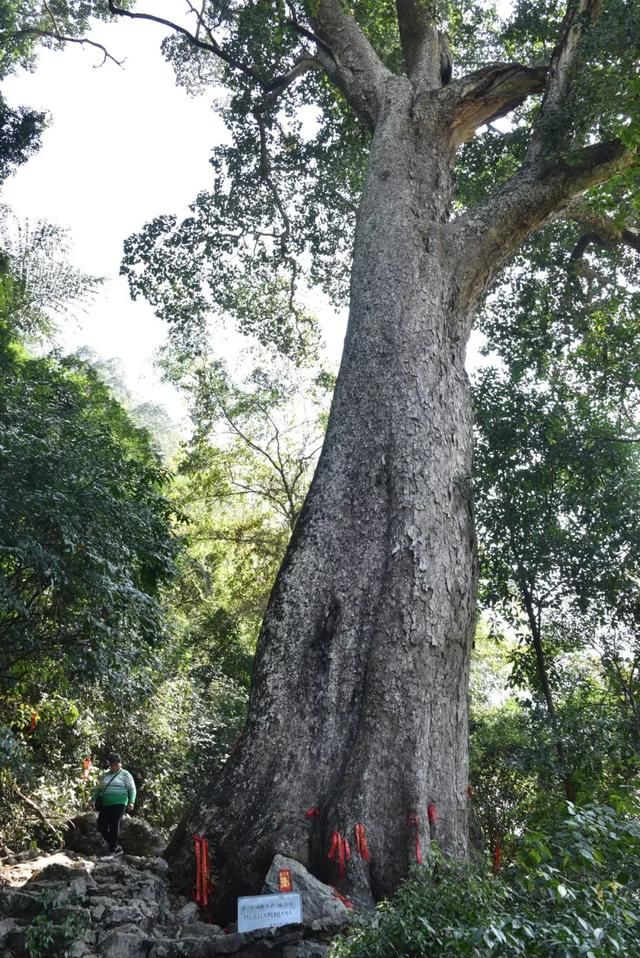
point(358, 709)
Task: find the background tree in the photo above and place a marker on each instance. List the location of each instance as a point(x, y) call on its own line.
point(86, 542)
point(556, 477)
point(354, 670)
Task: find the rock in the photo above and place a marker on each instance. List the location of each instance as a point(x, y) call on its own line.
point(112, 868)
point(163, 949)
point(318, 899)
point(7, 925)
point(15, 942)
point(82, 835)
point(306, 949)
point(200, 929)
point(61, 868)
point(105, 900)
point(124, 944)
point(217, 945)
point(20, 904)
point(139, 913)
point(137, 837)
point(123, 908)
point(78, 888)
point(188, 914)
point(28, 856)
point(79, 949)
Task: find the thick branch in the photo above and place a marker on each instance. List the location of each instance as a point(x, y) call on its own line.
point(300, 67)
point(601, 229)
point(563, 59)
point(489, 93)
point(356, 67)
point(492, 230)
point(420, 40)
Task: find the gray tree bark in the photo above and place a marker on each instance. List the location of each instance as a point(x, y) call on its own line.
point(358, 709)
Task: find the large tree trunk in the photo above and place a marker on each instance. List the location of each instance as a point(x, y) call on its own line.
point(359, 700)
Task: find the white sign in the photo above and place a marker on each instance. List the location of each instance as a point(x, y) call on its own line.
point(268, 911)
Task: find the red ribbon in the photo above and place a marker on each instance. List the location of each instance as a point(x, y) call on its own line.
point(312, 813)
point(345, 901)
point(197, 895)
point(203, 883)
point(361, 843)
point(339, 852)
point(414, 821)
point(205, 872)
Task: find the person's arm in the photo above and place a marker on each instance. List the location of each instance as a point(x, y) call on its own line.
point(95, 791)
point(131, 791)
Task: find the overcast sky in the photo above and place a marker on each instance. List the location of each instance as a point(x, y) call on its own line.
point(122, 146)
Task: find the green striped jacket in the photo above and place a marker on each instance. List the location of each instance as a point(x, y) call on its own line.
point(120, 791)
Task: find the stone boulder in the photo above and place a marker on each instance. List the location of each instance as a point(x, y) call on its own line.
point(318, 900)
point(137, 837)
point(125, 944)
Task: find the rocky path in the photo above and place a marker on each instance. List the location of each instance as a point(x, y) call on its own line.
point(74, 905)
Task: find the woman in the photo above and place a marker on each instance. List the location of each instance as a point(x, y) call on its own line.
point(114, 794)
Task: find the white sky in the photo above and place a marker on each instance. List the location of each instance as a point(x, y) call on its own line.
point(123, 145)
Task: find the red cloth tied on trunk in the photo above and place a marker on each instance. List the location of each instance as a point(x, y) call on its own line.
point(340, 853)
point(361, 843)
point(201, 893)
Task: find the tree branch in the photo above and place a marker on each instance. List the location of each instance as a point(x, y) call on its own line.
point(489, 93)
point(356, 67)
point(301, 66)
point(563, 59)
point(602, 229)
point(498, 225)
point(420, 41)
point(61, 38)
point(212, 46)
point(36, 808)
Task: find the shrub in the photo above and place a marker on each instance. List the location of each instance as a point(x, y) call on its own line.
point(573, 893)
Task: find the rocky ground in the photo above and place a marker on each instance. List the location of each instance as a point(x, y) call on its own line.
point(80, 904)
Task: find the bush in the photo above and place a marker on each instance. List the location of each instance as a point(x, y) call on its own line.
point(570, 894)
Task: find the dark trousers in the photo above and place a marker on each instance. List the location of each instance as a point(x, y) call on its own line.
point(109, 824)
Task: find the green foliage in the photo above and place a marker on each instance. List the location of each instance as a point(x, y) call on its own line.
point(558, 495)
point(86, 536)
point(26, 23)
point(86, 545)
point(20, 131)
point(48, 938)
point(38, 284)
point(572, 892)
